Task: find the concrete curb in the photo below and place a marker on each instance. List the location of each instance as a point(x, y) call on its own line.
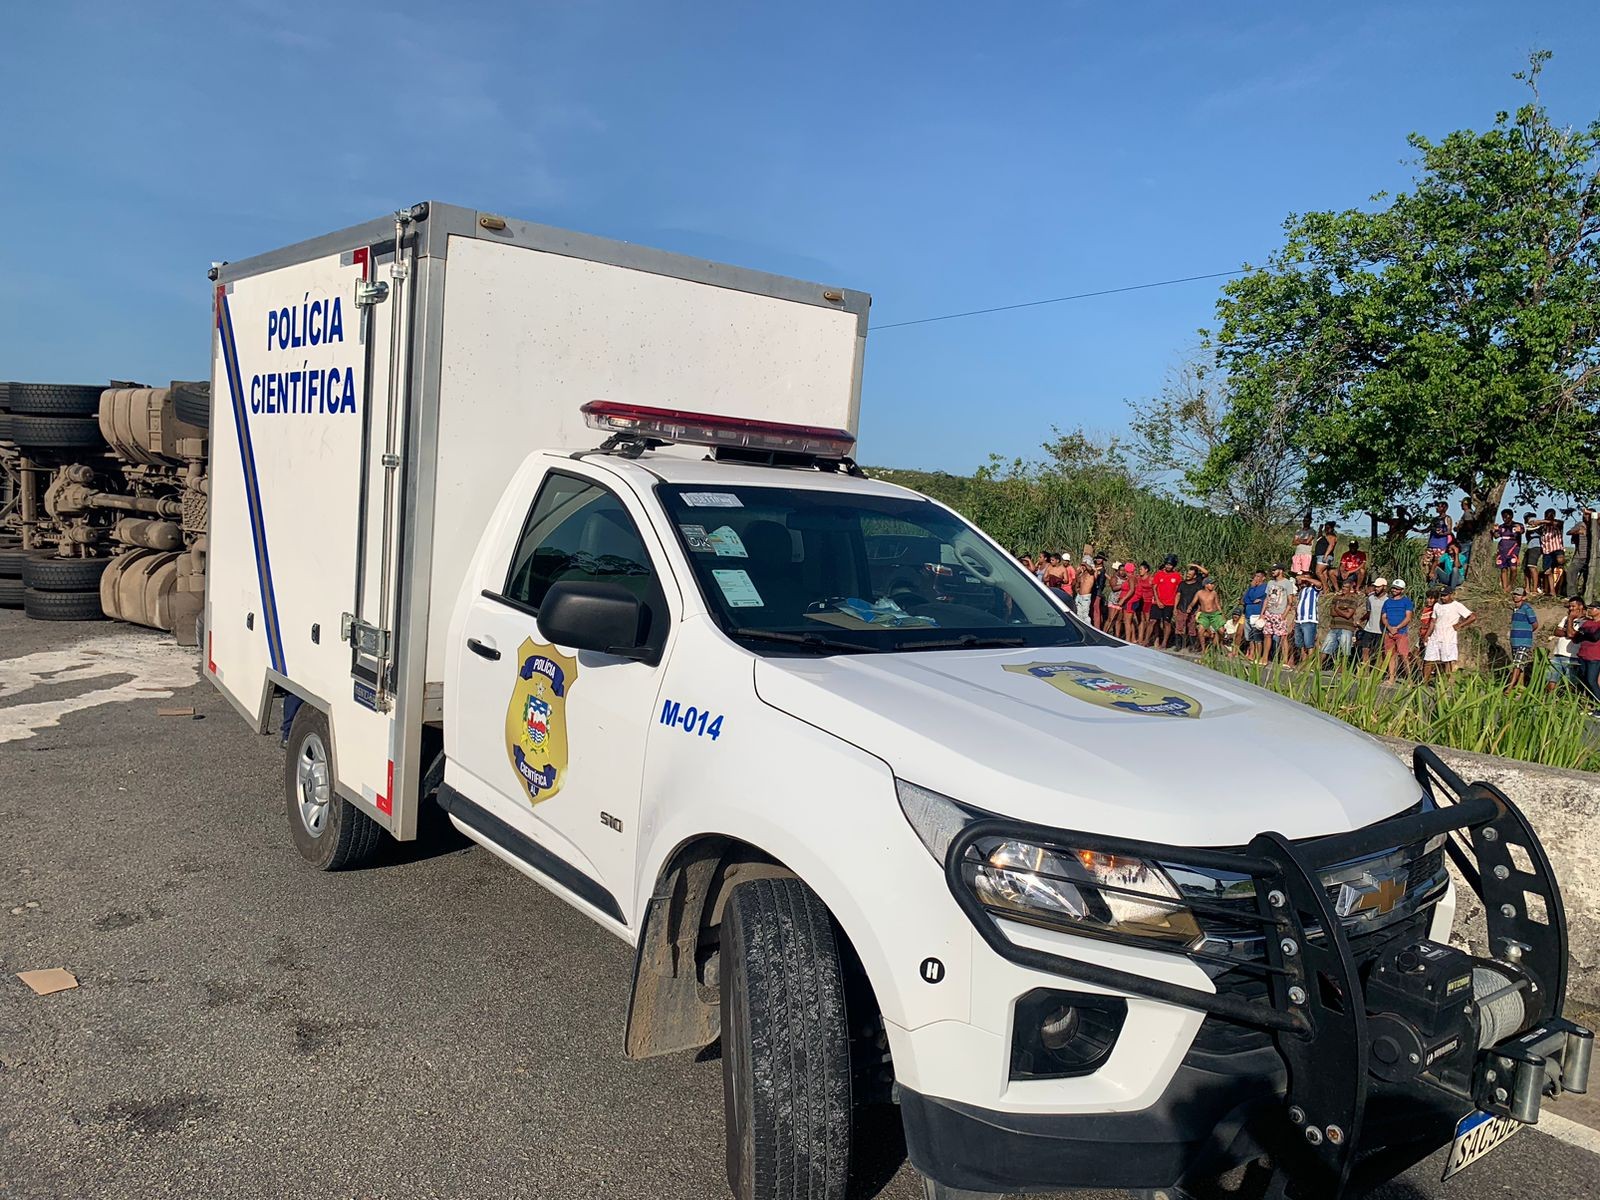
point(1564, 809)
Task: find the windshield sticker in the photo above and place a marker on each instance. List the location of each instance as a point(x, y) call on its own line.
point(737, 589)
point(727, 543)
point(1085, 681)
point(536, 719)
point(711, 500)
point(696, 538)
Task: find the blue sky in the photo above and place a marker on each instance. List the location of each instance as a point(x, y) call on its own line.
point(943, 157)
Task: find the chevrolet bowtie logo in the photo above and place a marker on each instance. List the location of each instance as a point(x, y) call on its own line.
point(1372, 895)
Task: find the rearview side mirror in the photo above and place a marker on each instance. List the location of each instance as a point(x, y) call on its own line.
point(593, 615)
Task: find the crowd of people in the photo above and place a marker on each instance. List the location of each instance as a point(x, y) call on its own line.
point(1325, 607)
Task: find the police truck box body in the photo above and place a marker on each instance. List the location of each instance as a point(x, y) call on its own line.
point(865, 801)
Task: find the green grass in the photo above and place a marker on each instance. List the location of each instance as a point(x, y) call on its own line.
point(1468, 710)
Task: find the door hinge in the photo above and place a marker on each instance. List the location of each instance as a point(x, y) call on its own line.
point(367, 638)
point(370, 292)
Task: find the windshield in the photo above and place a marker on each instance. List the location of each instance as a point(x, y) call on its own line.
point(843, 571)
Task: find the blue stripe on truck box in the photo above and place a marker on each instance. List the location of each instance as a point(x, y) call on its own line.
point(252, 487)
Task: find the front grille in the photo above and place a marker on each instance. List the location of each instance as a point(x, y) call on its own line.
point(1368, 940)
point(1219, 1036)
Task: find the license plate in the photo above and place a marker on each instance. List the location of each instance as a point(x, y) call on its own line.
point(1477, 1133)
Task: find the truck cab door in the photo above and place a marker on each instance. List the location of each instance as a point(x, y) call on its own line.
point(545, 743)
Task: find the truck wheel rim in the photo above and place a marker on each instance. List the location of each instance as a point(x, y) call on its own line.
point(312, 782)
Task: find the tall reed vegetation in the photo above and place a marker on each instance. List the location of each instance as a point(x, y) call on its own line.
point(1468, 710)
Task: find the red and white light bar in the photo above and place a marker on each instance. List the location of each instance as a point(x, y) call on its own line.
point(704, 429)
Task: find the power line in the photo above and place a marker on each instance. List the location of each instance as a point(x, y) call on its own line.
point(1132, 287)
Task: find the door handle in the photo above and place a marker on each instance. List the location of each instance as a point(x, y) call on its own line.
point(482, 650)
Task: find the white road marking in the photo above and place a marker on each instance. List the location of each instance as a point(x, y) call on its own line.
point(151, 666)
point(1565, 1129)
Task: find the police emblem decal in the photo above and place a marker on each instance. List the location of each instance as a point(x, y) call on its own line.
point(536, 719)
point(1086, 681)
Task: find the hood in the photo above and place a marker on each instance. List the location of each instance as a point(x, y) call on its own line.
point(1115, 740)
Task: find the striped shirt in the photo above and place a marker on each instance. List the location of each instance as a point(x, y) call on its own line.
point(1550, 538)
point(1522, 623)
point(1305, 612)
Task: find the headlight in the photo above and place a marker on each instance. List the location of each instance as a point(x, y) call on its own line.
point(1079, 891)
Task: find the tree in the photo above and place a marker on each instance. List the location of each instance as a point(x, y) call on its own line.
point(1184, 434)
point(1446, 340)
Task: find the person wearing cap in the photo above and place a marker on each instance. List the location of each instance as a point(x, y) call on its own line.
point(1397, 613)
point(1523, 622)
point(1442, 648)
point(1370, 636)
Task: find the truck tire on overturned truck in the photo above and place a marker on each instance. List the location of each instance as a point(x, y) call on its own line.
point(46, 572)
point(62, 606)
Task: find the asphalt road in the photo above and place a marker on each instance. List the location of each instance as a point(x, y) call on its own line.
point(247, 1027)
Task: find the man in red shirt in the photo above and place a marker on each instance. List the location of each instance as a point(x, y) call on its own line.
point(1353, 566)
point(1165, 586)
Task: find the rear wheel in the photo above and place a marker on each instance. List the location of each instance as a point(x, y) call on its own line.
point(331, 833)
point(785, 1045)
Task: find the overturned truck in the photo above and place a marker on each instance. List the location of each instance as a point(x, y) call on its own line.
point(103, 501)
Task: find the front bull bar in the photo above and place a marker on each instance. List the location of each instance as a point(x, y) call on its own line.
point(1318, 1015)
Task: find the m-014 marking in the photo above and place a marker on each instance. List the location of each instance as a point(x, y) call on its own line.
point(690, 719)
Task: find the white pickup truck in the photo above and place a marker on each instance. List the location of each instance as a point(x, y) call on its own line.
point(868, 804)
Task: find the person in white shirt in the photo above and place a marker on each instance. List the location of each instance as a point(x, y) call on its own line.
point(1450, 616)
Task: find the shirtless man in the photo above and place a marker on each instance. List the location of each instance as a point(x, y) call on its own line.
point(1207, 609)
point(1083, 594)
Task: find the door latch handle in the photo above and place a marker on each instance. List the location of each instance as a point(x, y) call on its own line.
point(483, 651)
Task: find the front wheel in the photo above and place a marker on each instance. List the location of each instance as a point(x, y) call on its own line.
point(785, 1045)
point(331, 833)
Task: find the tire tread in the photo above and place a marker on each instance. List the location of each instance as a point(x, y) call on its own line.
point(55, 399)
point(45, 572)
point(62, 606)
point(788, 960)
